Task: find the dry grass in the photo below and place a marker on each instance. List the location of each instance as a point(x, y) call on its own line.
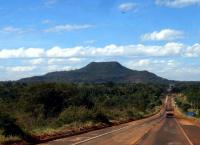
point(4, 140)
point(65, 128)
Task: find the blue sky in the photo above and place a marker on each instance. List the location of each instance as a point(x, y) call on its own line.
point(40, 36)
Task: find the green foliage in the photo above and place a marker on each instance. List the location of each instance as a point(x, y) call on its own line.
point(53, 105)
point(191, 91)
point(183, 105)
point(11, 128)
point(100, 72)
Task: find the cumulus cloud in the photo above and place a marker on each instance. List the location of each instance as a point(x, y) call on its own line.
point(68, 28)
point(77, 53)
point(53, 61)
point(177, 3)
point(155, 65)
point(142, 62)
point(22, 53)
point(167, 68)
point(155, 58)
point(109, 50)
point(169, 49)
point(193, 51)
point(64, 52)
point(126, 7)
point(165, 34)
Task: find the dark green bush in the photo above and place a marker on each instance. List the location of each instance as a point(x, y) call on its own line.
point(43, 105)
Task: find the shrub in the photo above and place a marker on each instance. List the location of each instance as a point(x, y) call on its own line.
point(101, 117)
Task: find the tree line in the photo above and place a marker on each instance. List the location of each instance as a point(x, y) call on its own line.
point(190, 98)
point(32, 107)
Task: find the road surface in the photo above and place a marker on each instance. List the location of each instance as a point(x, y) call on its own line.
point(125, 134)
point(168, 132)
point(156, 130)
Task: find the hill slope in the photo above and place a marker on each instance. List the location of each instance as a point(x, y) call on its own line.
point(99, 72)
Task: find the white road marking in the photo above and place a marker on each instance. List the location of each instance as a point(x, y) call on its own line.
point(188, 139)
point(174, 143)
point(109, 133)
point(100, 135)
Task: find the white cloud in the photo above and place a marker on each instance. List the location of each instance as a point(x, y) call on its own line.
point(109, 50)
point(167, 68)
point(74, 59)
point(142, 64)
point(165, 34)
point(11, 29)
point(63, 52)
point(20, 69)
point(177, 3)
point(169, 49)
point(68, 28)
point(162, 67)
point(126, 7)
point(56, 61)
point(155, 65)
point(172, 49)
point(37, 61)
point(193, 51)
point(76, 54)
point(22, 53)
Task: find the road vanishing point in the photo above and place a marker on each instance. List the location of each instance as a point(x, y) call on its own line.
point(155, 130)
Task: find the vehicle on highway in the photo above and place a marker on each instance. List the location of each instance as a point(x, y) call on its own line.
point(170, 114)
point(169, 110)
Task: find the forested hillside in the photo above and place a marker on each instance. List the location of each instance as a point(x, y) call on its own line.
point(99, 72)
point(38, 108)
point(190, 97)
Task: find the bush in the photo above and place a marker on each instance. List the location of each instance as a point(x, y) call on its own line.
point(74, 114)
point(10, 128)
point(185, 106)
point(101, 117)
point(46, 105)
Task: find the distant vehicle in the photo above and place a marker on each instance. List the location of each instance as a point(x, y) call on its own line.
point(169, 109)
point(192, 114)
point(170, 114)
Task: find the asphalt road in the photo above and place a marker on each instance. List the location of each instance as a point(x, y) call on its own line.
point(125, 134)
point(168, 132)
point(193, 133)
point(172, 131)
point(156, 130)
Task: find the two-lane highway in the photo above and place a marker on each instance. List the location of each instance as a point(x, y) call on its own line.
point(172, 131)
point(155, 130)
point(125, 134)
point(168, 132)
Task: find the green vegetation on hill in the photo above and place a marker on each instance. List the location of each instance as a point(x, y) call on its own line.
point(190, 98)
point(99, 72)
point(33, 108)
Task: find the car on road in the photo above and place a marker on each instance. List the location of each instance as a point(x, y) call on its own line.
point(169, 114)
